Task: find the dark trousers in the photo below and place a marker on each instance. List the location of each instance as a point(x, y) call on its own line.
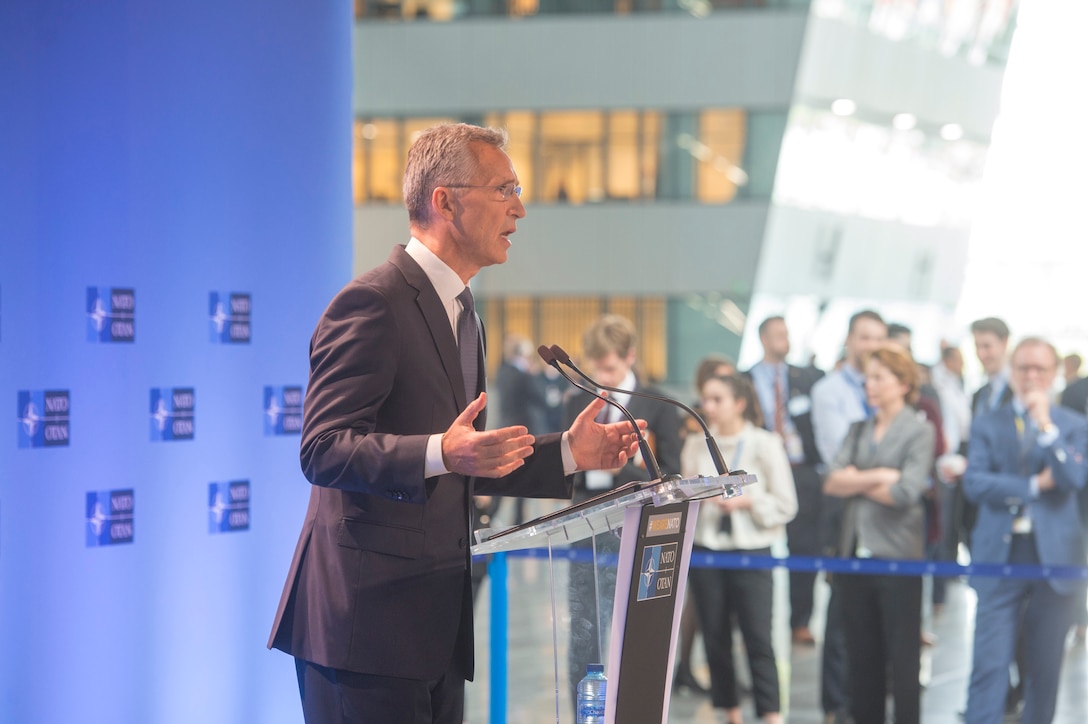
point(334, 696)
point(585, 636)
point(721, 594)
point(803, 535)
point(946, 547)
point(834, 674)
point(883, 625)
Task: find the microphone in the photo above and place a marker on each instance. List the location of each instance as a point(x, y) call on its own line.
point(647, 454)
point(559, 355)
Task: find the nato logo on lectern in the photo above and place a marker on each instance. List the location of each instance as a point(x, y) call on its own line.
point(230, 317)
point(173, 413)
point(228, 506)
point(111, 517)
point(283, 410)
point(658, 571)
point(111, 314)
point(43, 418)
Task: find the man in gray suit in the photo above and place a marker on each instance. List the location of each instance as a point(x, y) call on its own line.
point(377, 608)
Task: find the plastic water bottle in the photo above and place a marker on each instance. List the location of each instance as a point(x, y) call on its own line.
point(591, 695)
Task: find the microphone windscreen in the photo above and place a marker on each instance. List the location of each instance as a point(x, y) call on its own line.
point(545, 354)
point(560, 355)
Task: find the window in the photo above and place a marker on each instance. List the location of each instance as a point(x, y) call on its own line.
point(710, 155)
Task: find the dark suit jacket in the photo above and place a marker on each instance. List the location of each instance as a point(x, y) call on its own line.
point(663, 424)
point(379, 583)
point(984, 392)
point(521, 398)
point(1075, 396)
point(998, 481)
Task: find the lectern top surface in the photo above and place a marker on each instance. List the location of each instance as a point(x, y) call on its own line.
point(605, 512)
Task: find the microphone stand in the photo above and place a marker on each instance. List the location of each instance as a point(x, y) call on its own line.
point(559, 355)
point(548, 356)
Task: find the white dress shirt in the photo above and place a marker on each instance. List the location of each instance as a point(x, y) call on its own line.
point(448, 285)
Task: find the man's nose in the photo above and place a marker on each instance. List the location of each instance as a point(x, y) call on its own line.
point(518, 208)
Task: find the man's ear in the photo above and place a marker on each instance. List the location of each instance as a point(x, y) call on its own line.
point(443, 203)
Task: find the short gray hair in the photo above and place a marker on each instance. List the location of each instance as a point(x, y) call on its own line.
point(443, 155)
point(1038, 342)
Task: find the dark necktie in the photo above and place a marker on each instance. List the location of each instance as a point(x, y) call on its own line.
point(1027, 434)
point(468, 340)
point(779, 405)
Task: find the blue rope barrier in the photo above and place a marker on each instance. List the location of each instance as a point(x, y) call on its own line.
point(718, 559)
point(870, 566)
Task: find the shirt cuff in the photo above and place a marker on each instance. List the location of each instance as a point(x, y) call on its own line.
point(569, 466)
point(434, 465)
point(1048, 438)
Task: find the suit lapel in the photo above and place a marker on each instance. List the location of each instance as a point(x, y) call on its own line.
point(1008, 438)
point(438, 323)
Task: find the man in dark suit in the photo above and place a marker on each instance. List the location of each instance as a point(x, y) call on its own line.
point(1026, 464)
point(1075, 395)
point(377, 608)
point(520, 396)
point(609, 347)
point(784, 393)
point(1075, 398)
point(991, 336)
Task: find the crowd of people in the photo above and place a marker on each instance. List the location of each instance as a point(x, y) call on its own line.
point(879, 458)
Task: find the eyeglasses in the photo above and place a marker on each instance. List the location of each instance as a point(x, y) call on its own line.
point(506, 190)
point(1028, 369)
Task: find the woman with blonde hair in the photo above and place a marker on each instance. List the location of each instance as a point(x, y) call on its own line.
point(882, 470)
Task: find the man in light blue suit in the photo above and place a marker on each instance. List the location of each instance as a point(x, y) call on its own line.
point(1026, 462)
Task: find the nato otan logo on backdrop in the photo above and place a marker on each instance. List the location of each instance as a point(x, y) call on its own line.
point(173, 413)
point(230, 317)
point(111, 517)
point(43, 418)
point(111, 314)
point(282, 410)
point(228, 506)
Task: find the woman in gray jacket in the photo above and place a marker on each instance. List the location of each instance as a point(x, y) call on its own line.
point(882, 470)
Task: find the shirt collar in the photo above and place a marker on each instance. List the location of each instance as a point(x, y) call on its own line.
point(853, 375)
point(444, 280)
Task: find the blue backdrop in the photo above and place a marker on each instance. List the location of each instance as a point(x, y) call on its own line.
point(175, 212)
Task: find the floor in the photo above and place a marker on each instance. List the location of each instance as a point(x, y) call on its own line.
point(532, 697)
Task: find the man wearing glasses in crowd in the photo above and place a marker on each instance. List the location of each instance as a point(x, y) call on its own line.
point(377, 608)
point(1025, 465)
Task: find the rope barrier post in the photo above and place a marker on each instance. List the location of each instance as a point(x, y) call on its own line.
point(500, 605)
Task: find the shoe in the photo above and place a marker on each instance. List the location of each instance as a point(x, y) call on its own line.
point(803, 637)
point(685, 679)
